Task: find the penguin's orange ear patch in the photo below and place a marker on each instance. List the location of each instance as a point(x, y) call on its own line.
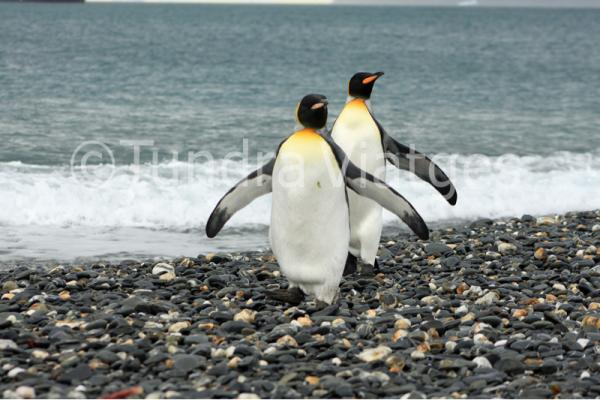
point(370, 79)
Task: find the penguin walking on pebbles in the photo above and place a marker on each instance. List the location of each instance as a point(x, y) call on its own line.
point(310, 225)
point(368, 146)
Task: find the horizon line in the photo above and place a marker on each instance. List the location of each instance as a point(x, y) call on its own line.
point(406, 3)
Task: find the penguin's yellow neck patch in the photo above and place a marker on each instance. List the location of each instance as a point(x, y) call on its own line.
point(305, 141)
point(306, 134)
point(355, 124)
point(356, 104)
point(354, 114)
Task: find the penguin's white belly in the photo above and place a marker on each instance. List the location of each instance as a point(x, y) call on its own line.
point(309, 221)
point(358, 135)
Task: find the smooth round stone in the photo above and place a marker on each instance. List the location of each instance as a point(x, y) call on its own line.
point(510, 366)
point(76, 374)
point(491, 320)
point(437, 249)
point(97, 324)
point(107, 356)
point(235, 326)
point(186, 362)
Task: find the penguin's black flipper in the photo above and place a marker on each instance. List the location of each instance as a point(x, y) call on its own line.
point(256, 184)
point(293, 296)
point(411, 160)
point(366, 185)
point(350, 267)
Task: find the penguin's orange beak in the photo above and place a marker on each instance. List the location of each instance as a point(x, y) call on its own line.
point(372, 78)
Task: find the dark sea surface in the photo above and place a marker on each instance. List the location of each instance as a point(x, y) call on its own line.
point(507, 100)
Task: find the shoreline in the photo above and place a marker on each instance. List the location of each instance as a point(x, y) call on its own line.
point(506, 308)
point(253, 238)
point(236, 240)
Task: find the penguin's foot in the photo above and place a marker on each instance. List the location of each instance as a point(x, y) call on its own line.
point(367, 270)
point(350, 267)
point(293, 296)
point(324, 309)
point(320, 305)
point(370, 270)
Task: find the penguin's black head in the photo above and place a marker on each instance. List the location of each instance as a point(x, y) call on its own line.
point(312, 111)
point(362, 83)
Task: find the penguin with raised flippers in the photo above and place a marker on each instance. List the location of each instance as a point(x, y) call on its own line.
point(310, 228)
point(368, 146)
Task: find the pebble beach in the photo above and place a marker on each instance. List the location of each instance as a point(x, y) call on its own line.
point(506, 308)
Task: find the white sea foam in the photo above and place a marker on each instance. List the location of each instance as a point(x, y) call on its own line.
point(180, 196)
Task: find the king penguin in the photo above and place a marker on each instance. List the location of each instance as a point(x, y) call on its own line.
point(310, 230)
point(368, 145)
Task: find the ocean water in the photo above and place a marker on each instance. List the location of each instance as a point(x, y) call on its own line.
point(505, 100)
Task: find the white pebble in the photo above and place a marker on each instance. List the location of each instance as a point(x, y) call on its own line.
point(7, 344)
point(488, 299)
point(248, 396)
point(546, 221)
point(431, 300)
point(482, 362)
point(480, 338)
point(584, 375)
point(167, 276)
point(40, 354)
point(479, 326)
point(162, 268)
point(450, 346)
point(417, 355)
point(25, 392)
point(474, 291)
point(153, 325)
point(507, 248)
point(376, 354)
point(381, 377)
point(338, 322)
point(583, 342)
point(402, 323)
point(559, 287)
point(462, 310)
point(178, 326)
point(501, 343)
point(14, 372)
point(245, 315)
